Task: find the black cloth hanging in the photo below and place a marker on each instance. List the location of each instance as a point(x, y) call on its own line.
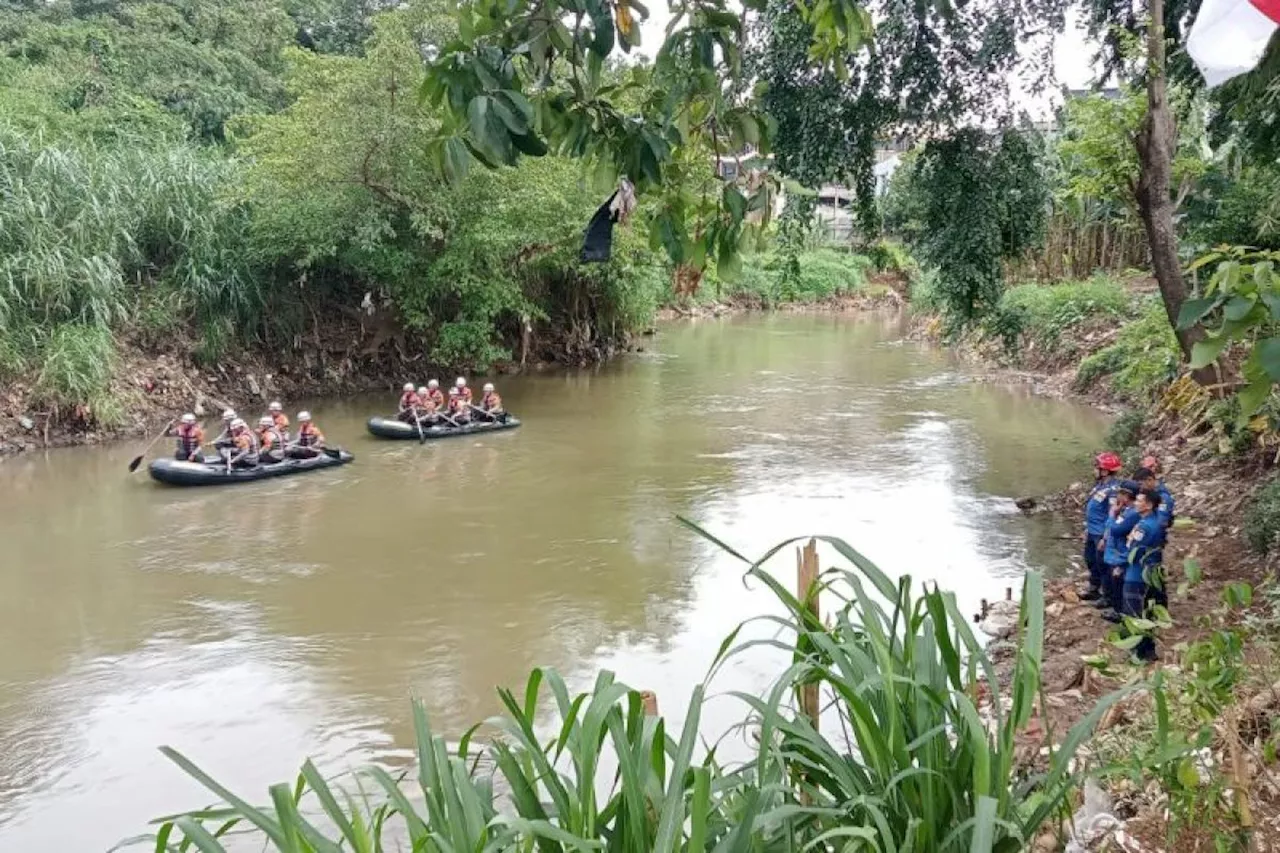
point(597, 243)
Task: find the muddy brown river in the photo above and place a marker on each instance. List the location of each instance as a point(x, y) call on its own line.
point(253, 626)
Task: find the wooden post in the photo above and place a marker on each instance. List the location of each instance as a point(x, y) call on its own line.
point(807, 593)
point(649, 700)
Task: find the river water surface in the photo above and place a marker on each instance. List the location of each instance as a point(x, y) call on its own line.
point(255, 626)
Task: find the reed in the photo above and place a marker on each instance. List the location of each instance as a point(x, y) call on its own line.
point(920, 765)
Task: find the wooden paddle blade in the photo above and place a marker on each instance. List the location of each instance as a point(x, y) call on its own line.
point(133, 466)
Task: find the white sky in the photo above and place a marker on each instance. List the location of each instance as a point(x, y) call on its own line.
point(1072, 53)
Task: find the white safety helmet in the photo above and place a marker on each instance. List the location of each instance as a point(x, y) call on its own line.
point(461, 382)
point(228, 414)
point(266, 420)
point(275, 407)
point(422, 390)
point(488, 387)
point(238, 423)
point(304, 416)
point(188, 418)
point(408, 386)
point(433, 384)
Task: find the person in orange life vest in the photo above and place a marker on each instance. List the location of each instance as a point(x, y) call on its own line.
point(428, 412)
point(225, 439)
point(280, 419)
point(310, 439)
point(270, 441)
point(460, 403)
point(190, 437)
point(409, 402)
point(244, 451)
point(460, 385)
point(435, 394)
point(491, 404)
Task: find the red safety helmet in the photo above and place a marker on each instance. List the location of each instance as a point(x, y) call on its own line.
point(1108, 462)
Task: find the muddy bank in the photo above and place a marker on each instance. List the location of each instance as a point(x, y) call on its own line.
point(153, 384)
point(876, 300)
point(1082, 662)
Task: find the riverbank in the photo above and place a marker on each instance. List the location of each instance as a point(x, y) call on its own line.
point(152, 378)
point(149, 382)
point(1104, 342)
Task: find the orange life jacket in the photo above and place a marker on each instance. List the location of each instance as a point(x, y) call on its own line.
point(436, 396)
point(245, 440)
point(268, 438)
point(408, 400)
point(282, 421)
point(190, 437)
point(308, 435)
point(491, 402)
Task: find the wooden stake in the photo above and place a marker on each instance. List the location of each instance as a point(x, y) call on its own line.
point(807, 593)
point(649, 700)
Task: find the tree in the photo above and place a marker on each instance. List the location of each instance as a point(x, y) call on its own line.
point(526, 78)
point(1156, 142)
point(931, 69)
point(981, 197)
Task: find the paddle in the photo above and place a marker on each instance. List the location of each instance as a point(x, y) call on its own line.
point(137, 460)
point(417, 421)
point(500, 417)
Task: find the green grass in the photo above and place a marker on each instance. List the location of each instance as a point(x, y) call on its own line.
point(1046, 313)
point(1141, 362)
point(1261, 521)
point(916, 768)
point(772, 278)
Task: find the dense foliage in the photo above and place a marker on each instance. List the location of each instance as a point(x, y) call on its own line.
point(919, 767)
point(931, 68)
point(220, 176)
point(979, 198)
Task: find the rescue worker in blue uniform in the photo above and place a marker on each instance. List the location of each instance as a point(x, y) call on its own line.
point(1115, 550)
point(1145, 572)
point(1148, 477)
point(1096, 510)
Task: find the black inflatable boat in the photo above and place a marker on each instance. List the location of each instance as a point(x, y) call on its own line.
point(179, 473)
point(392, 428)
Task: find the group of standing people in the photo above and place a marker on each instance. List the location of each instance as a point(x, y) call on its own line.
point(426, 405)
point(1126, 526)
point(242, 447)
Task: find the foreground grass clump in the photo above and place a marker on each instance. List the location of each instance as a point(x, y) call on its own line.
point(917, 767)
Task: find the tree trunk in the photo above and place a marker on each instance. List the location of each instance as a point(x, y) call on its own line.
point(1155, 142)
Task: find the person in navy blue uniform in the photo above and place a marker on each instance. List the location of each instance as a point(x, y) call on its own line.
point(1148, 477)
point(1115, 550)
point(1145, 572)
point(1096, 510)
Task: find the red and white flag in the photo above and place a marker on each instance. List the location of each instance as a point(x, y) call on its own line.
point(1229, 37)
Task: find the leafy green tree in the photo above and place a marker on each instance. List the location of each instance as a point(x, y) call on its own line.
point(931, 68)
point(345, 204)
point(129, 70)
point(524, 78)
point(982, 198)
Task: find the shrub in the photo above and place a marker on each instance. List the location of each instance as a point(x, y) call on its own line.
point(1141, 362)
point(1050, 310)
point(888, 255)
point(923, 292)
point(76, 365)
point(1261, 520)
point(1125, 431)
